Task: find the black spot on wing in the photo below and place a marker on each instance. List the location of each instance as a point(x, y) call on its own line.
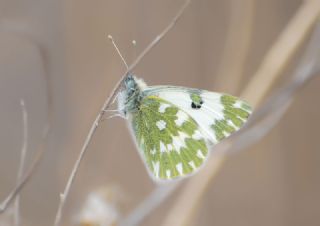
point(196, 105)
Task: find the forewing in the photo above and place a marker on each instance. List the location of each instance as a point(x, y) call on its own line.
point(218, 115)
point(169, 140)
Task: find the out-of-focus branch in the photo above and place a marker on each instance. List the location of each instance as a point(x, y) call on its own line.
point(270, 113)
point(22, 160)
point(27, 176)
point(283, 51)
point(106, 105)
point(152, 201)
point(236, 47)
point(274, 63)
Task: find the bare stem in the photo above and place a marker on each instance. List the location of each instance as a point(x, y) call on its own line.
point(22, 160)
point(24, 180)
point(105, 106)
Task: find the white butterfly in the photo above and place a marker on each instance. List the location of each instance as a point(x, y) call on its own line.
point(175, 127)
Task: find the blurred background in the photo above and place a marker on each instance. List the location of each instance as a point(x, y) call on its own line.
point(59, 51)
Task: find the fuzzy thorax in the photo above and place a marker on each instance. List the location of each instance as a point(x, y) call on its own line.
point(130, 95)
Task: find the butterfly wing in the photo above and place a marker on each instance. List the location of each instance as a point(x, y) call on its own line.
point(169, 140)
point(218, 115)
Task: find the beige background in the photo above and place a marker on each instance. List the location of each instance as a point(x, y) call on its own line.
point(61, 47)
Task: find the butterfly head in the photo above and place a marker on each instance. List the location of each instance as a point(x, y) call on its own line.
point(130, 94)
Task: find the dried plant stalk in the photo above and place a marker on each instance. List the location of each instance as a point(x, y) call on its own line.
point(22, 160)
point(282, 51)
point(25, 178)
point(236, 46)
point(28, 174)
point(273, 64)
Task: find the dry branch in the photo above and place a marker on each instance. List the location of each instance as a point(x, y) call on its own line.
point(27, 176)
point(236, 47)
point(22, 160)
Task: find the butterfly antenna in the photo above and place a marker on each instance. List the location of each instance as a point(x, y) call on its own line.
point(118, 51)
point(134, 43)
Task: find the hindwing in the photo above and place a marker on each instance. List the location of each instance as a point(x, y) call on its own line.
point(169, 139)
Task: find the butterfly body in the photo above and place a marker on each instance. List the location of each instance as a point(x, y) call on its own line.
point(175, 127)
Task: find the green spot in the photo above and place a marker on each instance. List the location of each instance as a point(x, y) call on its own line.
point(175, 159)
point(196, 98)
point(171, 110)
point(221, 128)
point(188, 127)
point(194, 146)
point(185, 159)
point(165, 165)
point(235, 111)
point(246, 107)
point(228, 99)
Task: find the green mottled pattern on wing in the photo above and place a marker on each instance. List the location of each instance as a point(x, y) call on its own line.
point(236, 113)
point(168, 138)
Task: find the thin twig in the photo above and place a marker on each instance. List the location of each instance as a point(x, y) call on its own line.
point(22, 160)
point(105, 106)
point(295, 34)
point(25, 179)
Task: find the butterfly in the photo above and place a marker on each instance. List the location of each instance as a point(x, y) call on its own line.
point(174, 127)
